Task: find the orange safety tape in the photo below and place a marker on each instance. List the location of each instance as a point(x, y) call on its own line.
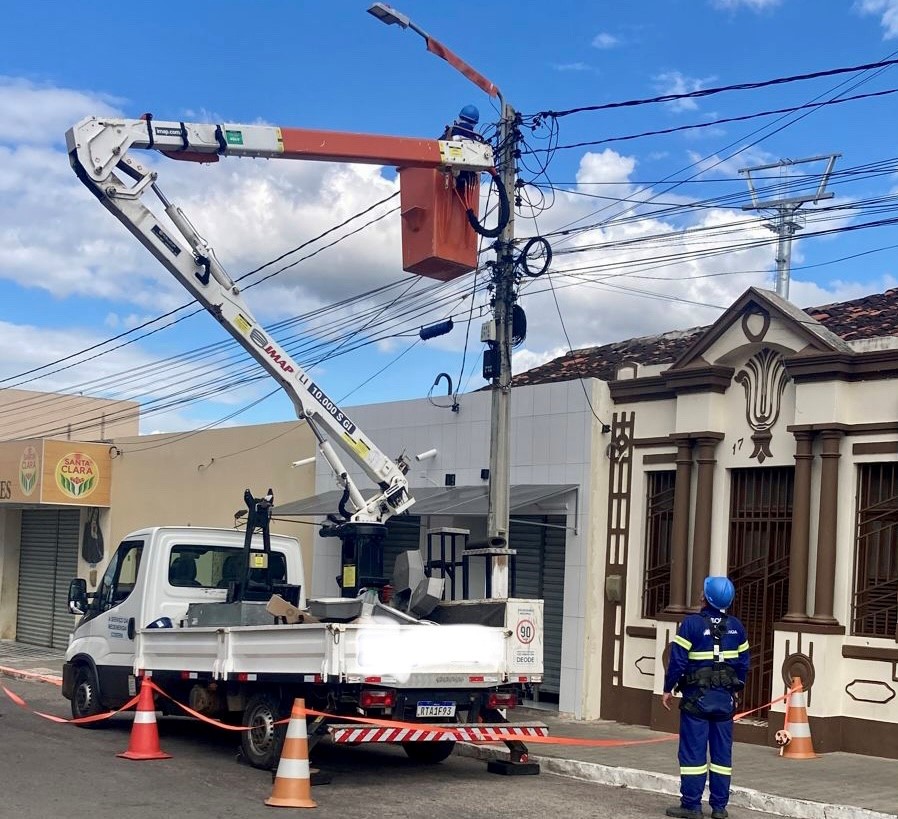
point(417, 726)
point(785, 696)
point(202, 717)
point(77, 721)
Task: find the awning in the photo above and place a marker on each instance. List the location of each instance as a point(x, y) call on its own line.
point(436, 500)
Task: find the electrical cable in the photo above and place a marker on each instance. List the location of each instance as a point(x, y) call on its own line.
point(707, 92)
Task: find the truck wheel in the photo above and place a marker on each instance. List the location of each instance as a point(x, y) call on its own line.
point(86, 695)
point(261, 746)
point(428, 753)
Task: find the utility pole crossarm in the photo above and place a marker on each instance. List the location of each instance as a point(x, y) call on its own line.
point(784, 222)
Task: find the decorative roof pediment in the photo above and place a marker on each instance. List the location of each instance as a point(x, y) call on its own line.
point(758, 318)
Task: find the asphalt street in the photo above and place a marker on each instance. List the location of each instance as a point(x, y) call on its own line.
point(60, 770)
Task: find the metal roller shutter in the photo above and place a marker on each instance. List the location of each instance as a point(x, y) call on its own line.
point(403, 535)
point(540, 574)
point(48, 561)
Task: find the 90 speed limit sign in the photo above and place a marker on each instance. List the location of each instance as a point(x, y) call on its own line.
point(525, 631)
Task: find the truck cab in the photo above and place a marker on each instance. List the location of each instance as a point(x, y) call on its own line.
point(150, 582)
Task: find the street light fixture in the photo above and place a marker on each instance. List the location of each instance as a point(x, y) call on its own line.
point(389, 16)
point(505, 297)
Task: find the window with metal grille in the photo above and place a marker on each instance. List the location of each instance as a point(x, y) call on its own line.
point(659, 506)
point(875, 604)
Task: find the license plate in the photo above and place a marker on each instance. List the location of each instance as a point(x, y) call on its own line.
point(435, 709)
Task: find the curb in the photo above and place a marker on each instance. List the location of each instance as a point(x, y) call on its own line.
point(32, 676)
point(670, 785)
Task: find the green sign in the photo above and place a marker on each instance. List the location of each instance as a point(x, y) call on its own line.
point(234, 137)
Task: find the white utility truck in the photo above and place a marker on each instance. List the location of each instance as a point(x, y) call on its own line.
point(220, 619)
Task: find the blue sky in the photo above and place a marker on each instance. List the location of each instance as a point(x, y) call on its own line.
point(70, 276)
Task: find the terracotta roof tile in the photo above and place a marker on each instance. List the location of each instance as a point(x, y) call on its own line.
point(868, 317)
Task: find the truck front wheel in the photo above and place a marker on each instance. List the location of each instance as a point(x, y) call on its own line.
point(261, 745)
point(86, 695)
point(428, 753)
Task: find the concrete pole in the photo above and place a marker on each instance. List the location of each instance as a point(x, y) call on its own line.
point(504, 279)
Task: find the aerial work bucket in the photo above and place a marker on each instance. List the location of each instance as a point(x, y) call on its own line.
point(437, 239)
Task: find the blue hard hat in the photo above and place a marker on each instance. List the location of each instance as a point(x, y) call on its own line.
point(161, 622)
point(469, 114)
point(719, 592)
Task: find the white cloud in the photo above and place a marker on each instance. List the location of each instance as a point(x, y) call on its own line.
point(34, 114)
point(675, 82)
point(888, 11)
point(605, 40)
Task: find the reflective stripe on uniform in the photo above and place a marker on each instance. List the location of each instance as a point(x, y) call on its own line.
point(693, 770)
point(701, 655)
point(729, 655)
point(743, 647)
point(720, 769)
point(682, 641)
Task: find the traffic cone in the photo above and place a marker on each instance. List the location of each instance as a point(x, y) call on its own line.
point(144, 742)
point(800, 745)
point(292, 783)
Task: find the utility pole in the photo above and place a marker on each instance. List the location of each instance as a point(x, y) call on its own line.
point(503, 312)
point(784, 222)
point(496, 548)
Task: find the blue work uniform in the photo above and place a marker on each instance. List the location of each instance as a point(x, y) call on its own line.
point(693, 649)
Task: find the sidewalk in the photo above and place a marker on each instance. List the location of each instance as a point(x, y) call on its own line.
point(835, 786)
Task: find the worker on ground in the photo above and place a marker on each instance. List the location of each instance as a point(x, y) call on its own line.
point(708, 663)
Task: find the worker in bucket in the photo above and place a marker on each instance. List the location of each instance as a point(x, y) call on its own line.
point(708, 663)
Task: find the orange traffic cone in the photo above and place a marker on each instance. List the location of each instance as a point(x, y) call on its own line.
point(144, 742)
point(799, 745)
point(292, 784)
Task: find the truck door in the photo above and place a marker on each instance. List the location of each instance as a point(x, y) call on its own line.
point(108, 635)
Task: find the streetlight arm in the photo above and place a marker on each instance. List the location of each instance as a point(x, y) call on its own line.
point(390, 16)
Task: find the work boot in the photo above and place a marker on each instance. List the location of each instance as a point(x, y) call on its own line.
point(679, 812)
point(719, 813)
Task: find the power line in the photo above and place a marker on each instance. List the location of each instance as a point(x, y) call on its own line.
point(707, 92)
point(712, 123)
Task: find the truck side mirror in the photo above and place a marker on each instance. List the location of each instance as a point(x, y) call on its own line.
point(78, 596)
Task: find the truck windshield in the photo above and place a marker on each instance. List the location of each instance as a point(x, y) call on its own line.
point(214, 567)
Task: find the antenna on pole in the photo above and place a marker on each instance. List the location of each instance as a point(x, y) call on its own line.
point(784, 219)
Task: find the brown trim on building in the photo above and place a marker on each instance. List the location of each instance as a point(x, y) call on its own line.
point(713, 378)
point(873, 428)
point(826, 528)
point(634, 705)
point(887, 655)
point(645, 632)
point(704, 508)
point(872, 448)
point(659, 458)
point(807, 628)
point(679, 547)
point(671, 616)
point(633, 390)
point(841, 366)
point(797, 611)
point(645, 443)
point(623, 425)
point(671, 383)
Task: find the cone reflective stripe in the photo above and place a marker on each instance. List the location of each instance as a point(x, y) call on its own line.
point(292, 783)
point(801, 746)
point(144, 742)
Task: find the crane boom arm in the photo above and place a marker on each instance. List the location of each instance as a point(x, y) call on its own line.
point(99, 152)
